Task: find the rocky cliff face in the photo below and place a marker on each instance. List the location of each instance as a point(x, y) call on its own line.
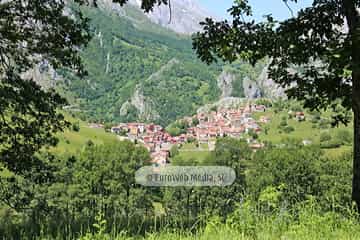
point(262, 86)
point(43, 74)
point(143, 106)
point(184, 16)
point(268, 87)
point(225, 81)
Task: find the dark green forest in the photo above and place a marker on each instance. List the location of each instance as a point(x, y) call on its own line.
point(94, 192)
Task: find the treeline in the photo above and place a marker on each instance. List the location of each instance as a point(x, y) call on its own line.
point(95, 190)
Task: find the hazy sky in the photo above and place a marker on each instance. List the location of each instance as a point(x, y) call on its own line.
point(260, 7)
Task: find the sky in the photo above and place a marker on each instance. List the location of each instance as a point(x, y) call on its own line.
point(260, 8)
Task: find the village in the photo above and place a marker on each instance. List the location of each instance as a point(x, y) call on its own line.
point(224, 122)
point(234, 123)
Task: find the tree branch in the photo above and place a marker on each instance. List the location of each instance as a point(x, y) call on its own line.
point(290, 10)
point(170, 12)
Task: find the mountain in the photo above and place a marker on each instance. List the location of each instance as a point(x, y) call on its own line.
point(183, 17)
point(142, 71)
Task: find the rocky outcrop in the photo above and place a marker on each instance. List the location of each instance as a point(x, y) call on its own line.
point(227, 103)
point(142, 104)
point(263, 86)
point(43, 74)
point(168, 66)
point(252, 89)
point(225, 81)
point(268, 88)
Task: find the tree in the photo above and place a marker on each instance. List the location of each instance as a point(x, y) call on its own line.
point(253, 134)
point(174, 151)
point(294, 168)
point(34, 34)
point(314, 55)
point(76, 126)
point(195, 121)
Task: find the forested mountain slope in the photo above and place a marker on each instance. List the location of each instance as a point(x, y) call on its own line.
point(140, 71)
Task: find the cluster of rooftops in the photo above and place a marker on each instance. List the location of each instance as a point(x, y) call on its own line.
point(209, 126)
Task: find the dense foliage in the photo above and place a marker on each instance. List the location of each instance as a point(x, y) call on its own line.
point(126, 56)
point(98, 183)
point(32, 32)
point(314, 54)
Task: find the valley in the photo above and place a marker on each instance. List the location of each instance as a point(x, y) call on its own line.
point(94, 92)
point(193, 138)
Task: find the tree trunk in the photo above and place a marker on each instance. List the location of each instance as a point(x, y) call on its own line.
point(353, 21)
point(356, 161)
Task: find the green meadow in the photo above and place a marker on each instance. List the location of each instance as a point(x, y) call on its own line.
point(71, 141)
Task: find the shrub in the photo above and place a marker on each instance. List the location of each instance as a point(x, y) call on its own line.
point(296, 108)
point(253, 134)
point(191, 139)
point(330, 144)
point(283, 123)
point(174, 131)
point(213, 108)
point(293, 166)
point(314, 120)
point(195, 121)
point(325, 136)
point(76, 127)
point(289, 129)
point(174, 151)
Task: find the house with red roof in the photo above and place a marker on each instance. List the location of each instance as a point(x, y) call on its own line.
point(300, 116)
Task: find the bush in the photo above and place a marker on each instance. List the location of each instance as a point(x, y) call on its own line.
point(174, 131)
point(174, 151)
point(330, 144)
point(107, 127)
point(344, 136)
point(253, 134)
point(195, 121)
point(283, 123)
point(214, 109)
point(289, 129)
point(76, 127)
point(296, 108)
point(177, 128)
point(265, 102)
point(325, 137)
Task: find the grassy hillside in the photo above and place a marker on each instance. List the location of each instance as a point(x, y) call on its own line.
point(316, 132)
point(302, 130)
point(71, 141)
